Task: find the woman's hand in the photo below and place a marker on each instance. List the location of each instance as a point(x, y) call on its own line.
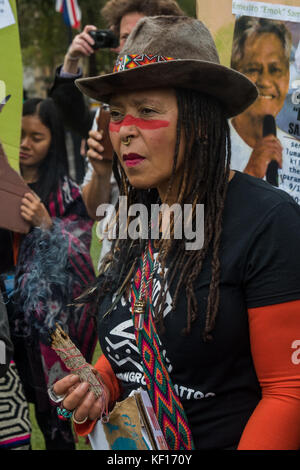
point(102, 166)
point(84, 402)
point(34, 212)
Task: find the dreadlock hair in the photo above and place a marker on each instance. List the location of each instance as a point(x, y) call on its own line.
point(205, 171)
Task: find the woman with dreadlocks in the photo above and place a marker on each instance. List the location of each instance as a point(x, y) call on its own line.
point(210, 332)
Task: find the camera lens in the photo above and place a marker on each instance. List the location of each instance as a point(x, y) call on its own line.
point(104, 38)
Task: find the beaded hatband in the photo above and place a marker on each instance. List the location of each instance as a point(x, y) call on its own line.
point(129, 62)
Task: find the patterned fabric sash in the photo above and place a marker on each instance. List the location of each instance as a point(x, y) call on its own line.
point(166, 404)
point(128, 62)
point(15, 428)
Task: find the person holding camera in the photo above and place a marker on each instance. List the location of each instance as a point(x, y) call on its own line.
point(99, 185)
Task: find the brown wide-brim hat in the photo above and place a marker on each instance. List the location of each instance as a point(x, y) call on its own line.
point(12, 190)
point(176, 52)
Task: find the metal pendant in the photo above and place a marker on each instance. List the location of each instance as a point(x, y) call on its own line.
point(139, 314)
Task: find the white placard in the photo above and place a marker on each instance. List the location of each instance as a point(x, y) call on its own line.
point(2, 91)
point(6, 14)
point(266, 10)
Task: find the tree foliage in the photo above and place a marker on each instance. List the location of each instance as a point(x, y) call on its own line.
point(188, 6)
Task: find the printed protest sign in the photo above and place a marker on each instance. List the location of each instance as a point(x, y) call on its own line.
point(264, 43)
point(6, 15)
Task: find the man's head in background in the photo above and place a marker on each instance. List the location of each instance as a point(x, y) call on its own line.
point(261, 50)
point(122, 15)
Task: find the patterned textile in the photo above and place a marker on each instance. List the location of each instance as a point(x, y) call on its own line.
point(166, 404)
point(53, 268)
point(128, 62)
point(15, 426)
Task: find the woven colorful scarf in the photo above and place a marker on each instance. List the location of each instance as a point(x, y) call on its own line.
point(166, 404)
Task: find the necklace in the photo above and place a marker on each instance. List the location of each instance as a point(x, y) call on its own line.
point(140, 303)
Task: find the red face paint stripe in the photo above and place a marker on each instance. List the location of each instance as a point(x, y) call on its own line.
point(138, 122)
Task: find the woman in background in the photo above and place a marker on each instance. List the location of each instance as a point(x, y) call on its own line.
point(53, 265)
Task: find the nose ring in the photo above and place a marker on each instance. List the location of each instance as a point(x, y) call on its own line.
point(126, 141)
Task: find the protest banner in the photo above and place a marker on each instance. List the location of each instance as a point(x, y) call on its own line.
point(262, 40)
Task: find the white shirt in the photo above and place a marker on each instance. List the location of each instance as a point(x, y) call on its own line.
point(288, 175)
point(106, 244)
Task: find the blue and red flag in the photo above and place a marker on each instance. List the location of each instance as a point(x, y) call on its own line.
point(71, 12)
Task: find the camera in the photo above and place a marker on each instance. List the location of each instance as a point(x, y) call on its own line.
point(104, 38)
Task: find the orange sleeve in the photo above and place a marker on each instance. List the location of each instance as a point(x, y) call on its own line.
point(105, 370)
point(275, 347)
point(109, 378)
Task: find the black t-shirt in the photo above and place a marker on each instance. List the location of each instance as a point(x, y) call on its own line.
point(260, 266)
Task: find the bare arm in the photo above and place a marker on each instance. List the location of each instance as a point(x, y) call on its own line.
point(70, 101)
point(98, 190)
point(81, 47)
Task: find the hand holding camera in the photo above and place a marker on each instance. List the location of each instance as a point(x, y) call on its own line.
point(100, 150)
point(86, 43)
point(104, 38)
point(81, 46)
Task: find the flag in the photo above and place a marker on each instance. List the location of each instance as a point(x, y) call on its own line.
point(71, 12)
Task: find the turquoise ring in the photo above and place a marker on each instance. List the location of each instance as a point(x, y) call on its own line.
point(64, 414)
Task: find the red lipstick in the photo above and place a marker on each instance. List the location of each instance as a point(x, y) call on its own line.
point(132, 159)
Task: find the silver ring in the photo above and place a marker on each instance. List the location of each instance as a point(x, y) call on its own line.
point(54, 397)
point(75, 420)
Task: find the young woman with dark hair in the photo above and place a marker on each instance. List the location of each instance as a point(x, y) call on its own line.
point(55, 164)
point(53, 265)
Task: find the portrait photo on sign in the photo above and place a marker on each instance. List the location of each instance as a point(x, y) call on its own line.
point(265, 137)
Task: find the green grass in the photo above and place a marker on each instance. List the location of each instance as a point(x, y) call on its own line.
point(37, 439)
point(95, 248)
